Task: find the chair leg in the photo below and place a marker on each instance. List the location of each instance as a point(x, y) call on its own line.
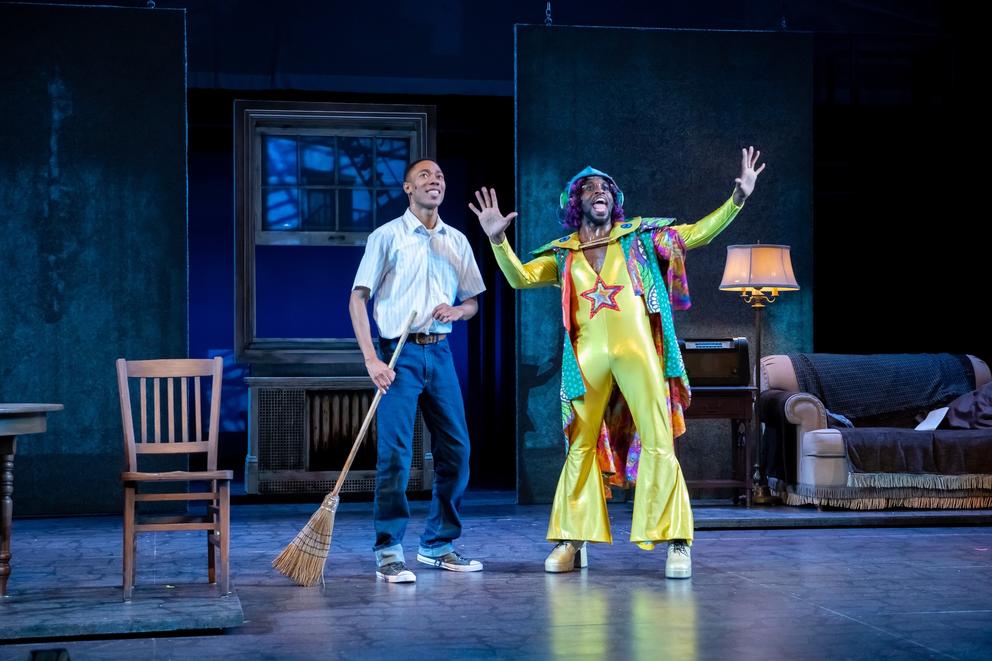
point(211, 562)
point(225, 536)
point(128, 542)
point(212, 536)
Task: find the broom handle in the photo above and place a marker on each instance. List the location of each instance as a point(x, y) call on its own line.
point(368, 416)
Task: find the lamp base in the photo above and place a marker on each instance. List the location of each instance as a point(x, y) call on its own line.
point(761, 495)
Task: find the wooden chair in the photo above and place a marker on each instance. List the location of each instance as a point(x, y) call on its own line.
point(177, 439)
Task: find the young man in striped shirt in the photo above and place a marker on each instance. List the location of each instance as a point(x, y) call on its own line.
point(417, 263)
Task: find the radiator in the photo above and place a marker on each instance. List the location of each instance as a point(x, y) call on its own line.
point(302, 429)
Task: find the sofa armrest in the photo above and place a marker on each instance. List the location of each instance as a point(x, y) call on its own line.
point(787, 417)
point(806, 412)
point(777, 373)
point(982, 373)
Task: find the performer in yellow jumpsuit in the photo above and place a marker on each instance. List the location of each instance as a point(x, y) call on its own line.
point(620, 280)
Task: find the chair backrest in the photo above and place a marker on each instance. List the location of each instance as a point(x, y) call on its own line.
point(186, 436)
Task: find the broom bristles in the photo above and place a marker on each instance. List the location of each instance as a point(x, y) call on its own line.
point(303, 559)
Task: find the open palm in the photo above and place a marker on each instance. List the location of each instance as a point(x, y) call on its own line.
point(493, 222)
point(749, 159)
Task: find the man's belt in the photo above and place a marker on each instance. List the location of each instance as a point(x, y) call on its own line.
point(427, 338)
point(418, 338)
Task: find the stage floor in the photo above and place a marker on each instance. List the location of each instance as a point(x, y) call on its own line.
point(757, 593)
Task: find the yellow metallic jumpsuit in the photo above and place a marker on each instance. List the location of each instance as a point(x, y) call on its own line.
point(613, 343)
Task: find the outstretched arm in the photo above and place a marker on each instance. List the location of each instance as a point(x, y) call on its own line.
point(705, 229)
point(535, 273)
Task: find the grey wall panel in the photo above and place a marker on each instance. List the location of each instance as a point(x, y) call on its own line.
point(93, 223)
point(666, 113)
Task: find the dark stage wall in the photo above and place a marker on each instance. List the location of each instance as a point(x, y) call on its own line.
point(666, 113)
point(93, 221)
point(895, 124)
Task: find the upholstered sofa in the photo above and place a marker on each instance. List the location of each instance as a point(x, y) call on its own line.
point(809, 451)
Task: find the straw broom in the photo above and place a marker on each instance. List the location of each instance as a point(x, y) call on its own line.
point(304, 558)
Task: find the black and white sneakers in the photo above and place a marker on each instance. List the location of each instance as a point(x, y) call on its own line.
point(396, 572)
point(451, 561)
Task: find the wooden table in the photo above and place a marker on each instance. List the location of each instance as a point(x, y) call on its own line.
point(15, 420)
point(737, 404)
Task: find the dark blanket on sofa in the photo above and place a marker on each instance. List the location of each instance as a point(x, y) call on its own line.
point(874, 390)
point(972, 410)
point(939, 459)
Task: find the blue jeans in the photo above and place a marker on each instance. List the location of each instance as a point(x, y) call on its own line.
point(424, 374)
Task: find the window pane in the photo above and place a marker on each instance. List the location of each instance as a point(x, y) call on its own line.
point(392, 157)
point(319, 213)
point(390, 203)
point(282, 209)
point(317, 161)
point(356, 211)
point(279, 160)
point(355, 162)
point(302, 291)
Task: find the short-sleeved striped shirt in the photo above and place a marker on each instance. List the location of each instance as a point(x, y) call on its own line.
point(410, 268)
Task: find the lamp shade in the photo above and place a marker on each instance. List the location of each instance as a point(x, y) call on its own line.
point(759, 266)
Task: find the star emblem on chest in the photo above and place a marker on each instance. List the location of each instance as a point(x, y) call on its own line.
point(601, 296)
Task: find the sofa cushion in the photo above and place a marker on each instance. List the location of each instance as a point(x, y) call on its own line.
point(944, 452)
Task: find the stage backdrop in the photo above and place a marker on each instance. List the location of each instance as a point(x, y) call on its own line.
point(666, 114)
point(92, 231)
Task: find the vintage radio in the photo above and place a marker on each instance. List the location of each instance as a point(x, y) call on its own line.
point(723, 362)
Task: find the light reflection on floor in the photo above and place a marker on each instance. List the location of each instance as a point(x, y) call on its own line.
point(756, 594)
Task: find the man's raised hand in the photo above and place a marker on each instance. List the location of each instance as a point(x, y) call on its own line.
point(749, 159)
point(493, 222)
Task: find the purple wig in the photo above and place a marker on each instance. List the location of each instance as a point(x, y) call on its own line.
point(572, 214)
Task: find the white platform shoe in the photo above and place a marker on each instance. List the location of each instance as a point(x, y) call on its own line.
point(566, 556)
point(679, 563)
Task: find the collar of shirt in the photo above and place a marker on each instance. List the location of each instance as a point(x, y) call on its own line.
point(412, 223)
point(572, 242)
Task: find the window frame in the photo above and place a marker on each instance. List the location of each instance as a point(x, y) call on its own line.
point(252, 119)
